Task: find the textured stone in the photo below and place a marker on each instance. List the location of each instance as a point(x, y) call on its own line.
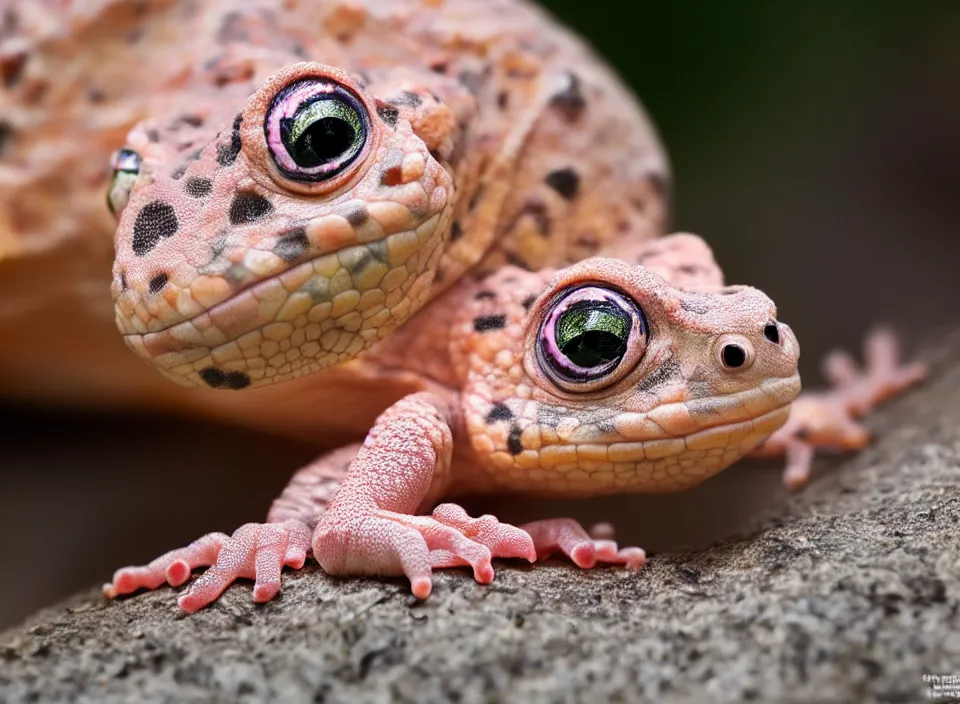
point(848, 592)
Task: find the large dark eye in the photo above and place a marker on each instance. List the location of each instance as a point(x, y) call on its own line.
point(315, 129)
point(126, 167)
point(587, 335)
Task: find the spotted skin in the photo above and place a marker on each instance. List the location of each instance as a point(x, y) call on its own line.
point(489, 416)
point(483, 148)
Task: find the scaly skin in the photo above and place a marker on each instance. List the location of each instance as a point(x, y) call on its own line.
point(488, 136)
point(699, 376)
point(552, 160)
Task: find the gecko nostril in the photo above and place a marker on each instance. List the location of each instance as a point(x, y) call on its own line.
point(771, 331)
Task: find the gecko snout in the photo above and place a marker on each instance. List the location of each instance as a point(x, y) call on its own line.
point(774, 346)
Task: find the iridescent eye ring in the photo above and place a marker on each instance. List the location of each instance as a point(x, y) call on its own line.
point(586, 336)
point(315, 129)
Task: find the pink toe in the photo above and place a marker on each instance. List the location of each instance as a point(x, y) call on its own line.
point(265, 592)
point(421, 587)
point(584, 555)
point(190, 603)
point(483, 573)
point(178, 573)
point(634, 558)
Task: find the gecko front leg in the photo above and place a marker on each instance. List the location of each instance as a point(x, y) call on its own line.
point(257, 551)
point(371, 526)
point(828, 419)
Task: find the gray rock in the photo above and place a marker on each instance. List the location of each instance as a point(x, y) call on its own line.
point(849, 592)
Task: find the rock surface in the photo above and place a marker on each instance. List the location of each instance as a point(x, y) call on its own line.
point(849, 592)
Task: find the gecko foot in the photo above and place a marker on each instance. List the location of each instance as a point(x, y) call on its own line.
point(586, 550)
point(381, 542)
point(827, 419)
point(256, 551)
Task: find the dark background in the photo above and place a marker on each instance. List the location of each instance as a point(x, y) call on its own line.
point(815, 145)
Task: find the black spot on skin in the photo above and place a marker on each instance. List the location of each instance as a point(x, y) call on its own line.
point(690, 269)
point(538, 211)
point(227, 153)
point(291, 245)
point(503, 99)
point(189, 120)
point(11, 67)
point(96, 96)
point(499, 412)
point(248, 207)
point(566, 182)
point(589, 241)
point(153, 135)
point(406, 99)
point(219, 379)
point(6, 137)
point(515, 260)
point(356, 215)
point(513, 442)
point(659, 182)
point(155, 220)
point(528, 301)
point(388, 115)
point(456, 231)
point(157, 283)
point(489, 322)
point(485, 295)
point(134, 35)
point(197, 187)
point(570, 102)
point(180, 171)
point(668, 371)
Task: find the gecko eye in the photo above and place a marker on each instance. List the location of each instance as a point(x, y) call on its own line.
point(315, 129)
point(126, 167)
point(586, 337)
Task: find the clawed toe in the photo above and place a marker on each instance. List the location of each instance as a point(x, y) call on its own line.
point(256, 551)
point(586, 550)
point(389, 543)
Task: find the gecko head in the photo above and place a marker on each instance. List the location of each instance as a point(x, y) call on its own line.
point(257, 245)
point(638, 385)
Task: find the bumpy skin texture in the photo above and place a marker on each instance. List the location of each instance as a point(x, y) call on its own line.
point(492, 137)
point(551, 160)
point(705, 376)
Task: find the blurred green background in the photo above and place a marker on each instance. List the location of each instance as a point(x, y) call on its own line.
point(815, 145)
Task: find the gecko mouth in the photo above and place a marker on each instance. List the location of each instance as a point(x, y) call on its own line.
point(653, 463)
point(722, 422)
point(335, 303)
